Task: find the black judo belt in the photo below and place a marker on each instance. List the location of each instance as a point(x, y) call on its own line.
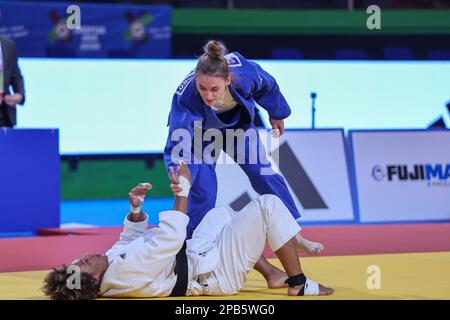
point(181, 271)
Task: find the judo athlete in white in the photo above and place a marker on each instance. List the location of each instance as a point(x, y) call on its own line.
point(159, 262)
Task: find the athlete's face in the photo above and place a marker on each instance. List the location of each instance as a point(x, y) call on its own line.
point(212, 88)
point(95, 264)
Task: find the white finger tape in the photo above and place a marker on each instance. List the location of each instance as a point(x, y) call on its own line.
point(185, 185)
point(135, 210)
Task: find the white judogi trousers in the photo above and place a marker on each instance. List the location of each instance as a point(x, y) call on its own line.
point(240, 238)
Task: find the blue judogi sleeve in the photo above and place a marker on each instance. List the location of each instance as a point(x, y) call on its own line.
point(181, 117)
point(266, 93)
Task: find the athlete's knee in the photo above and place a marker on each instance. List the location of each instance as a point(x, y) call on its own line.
point(269, 204)
point(270, 199)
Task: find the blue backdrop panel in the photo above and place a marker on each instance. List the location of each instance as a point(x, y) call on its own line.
point(29, 179)
point(106, 31)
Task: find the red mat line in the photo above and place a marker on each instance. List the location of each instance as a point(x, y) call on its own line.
point(380, 238)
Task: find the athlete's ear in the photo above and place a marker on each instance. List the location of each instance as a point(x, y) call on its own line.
point(228, 80)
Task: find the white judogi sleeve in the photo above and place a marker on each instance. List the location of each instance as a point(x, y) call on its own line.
point(131, 230)
point(146, 256)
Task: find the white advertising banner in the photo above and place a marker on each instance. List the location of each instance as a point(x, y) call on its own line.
point(402, 175)
point(313, 164)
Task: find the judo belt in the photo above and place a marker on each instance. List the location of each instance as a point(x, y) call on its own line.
point(181, 270)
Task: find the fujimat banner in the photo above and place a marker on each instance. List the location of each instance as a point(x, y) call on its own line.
point(87, 30)
point(402, 175)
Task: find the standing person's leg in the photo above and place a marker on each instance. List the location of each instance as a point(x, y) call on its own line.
point(257, 166)
point(202, 195)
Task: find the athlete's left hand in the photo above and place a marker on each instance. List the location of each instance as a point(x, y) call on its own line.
point(277, 127)
point(137, 194)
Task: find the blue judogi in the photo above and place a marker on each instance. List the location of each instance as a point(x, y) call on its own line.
point(250, 84)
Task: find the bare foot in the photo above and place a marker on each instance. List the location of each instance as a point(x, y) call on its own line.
point(311, 248)
point(323, 291)
point(276, 278)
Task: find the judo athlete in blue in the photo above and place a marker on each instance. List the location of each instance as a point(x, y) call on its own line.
point(220, 94)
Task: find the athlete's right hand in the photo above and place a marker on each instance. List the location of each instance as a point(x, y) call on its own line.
point(182, 170)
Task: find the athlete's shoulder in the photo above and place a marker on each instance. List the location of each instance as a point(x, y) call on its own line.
point(186, 85)
point(244, 72)
point(237, 61)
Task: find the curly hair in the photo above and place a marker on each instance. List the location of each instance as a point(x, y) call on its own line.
point(56, 286)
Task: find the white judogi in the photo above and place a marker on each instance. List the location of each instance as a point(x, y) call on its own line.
point(223, 249)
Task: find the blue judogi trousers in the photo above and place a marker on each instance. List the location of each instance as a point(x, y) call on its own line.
point(203, 193)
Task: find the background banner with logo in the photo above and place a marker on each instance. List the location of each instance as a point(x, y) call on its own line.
point(94, 31)
point(313, 164)
point(402, 175)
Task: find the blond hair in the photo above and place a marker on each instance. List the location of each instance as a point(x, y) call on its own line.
point(213, 62)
